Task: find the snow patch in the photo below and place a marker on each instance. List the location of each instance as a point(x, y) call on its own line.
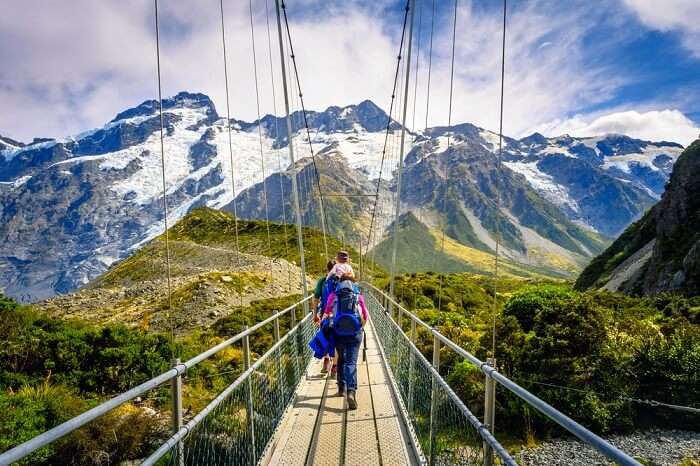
point(492, 139)
point(544, 184)
point(17, 182)
point(645, 158)
point(558, 150)
point(9, 154)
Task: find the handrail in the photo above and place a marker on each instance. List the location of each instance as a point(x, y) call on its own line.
point(473, 420)
point(61, 430)
point(170, 443)
point(604, 447)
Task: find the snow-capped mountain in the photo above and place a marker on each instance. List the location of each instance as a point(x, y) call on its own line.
point(585, 176)
point(70, 208)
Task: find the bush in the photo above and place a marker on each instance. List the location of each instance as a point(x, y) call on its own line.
point(668, 369)
point(101, 360)
point(33, 410)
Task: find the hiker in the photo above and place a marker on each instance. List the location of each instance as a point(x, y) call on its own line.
point(321, 293)
point(347, 313)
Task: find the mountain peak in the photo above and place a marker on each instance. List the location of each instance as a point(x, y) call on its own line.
point(534, 139)
point(6, 142)
point(182, 99)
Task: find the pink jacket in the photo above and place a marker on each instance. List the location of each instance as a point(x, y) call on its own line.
point(361, 301)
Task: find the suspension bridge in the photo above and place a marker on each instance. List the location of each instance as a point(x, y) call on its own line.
point(281, 409)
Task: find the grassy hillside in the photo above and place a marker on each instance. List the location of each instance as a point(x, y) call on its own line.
point(216, 228)
point(209, 277)
point(419, 249)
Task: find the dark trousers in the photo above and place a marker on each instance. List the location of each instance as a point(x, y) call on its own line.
point(347, 352)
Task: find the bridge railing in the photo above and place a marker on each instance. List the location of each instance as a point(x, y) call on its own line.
point(446, 429)
point(236, 426)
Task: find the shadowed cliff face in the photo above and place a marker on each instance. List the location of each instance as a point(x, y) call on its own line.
point(661, 252)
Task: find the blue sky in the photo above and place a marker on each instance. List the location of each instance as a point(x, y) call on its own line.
point(577, 67)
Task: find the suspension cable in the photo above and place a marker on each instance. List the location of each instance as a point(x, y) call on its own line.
point(415, 84)
point(279, 152)
point(308, 133)
point(449, 142)
point(498, 185)
point(401, 152)
point(230, 140)
point(165, 188)
point(260, 135)
point(430, 64)
point(290, 146)
point(388, 128)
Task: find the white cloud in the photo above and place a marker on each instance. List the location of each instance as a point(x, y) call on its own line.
point(671, 15)
point(655, 125)
point(81, 62)
point(542, 82)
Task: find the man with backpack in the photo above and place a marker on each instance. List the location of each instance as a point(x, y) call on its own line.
point(324, 287)
point(347, 314)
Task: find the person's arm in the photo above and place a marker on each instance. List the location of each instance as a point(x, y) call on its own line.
point(329, 304)
point(363, 310)
point(318, 291)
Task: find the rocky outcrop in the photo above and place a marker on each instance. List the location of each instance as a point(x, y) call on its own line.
point(668, 235)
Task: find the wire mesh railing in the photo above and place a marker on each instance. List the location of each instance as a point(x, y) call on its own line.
point(235, 427)
point(446, 430)
point(442, 443)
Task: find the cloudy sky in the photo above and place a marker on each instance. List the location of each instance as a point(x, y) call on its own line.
point(574, 66)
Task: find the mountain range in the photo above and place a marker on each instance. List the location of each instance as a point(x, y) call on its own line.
point(71, 208)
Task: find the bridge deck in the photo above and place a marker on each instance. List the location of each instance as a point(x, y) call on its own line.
point(319, 430)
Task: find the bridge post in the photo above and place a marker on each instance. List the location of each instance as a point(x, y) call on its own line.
point(433, 400)
point(250, 409)
point(176, 412)
point(411, 369)
point(397, 337)
point(276, 336)
point(489, 411)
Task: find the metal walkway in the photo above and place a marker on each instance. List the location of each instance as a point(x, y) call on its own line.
point(319, 430)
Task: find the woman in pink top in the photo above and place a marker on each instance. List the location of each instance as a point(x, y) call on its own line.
point(347, 348)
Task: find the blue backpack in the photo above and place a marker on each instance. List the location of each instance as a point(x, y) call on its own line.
point(329, 286)
point(346, 319)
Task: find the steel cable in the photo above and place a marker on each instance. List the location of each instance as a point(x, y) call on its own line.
point(308, 133)
point(386, 136)
point(230, 140)
point(260, 136)
point(279, 152)
point(165, 187)
point(449, 133)
point(498, 186)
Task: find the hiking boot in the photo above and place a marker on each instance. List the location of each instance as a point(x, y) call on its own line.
point(340, 392)
point(352, 403)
